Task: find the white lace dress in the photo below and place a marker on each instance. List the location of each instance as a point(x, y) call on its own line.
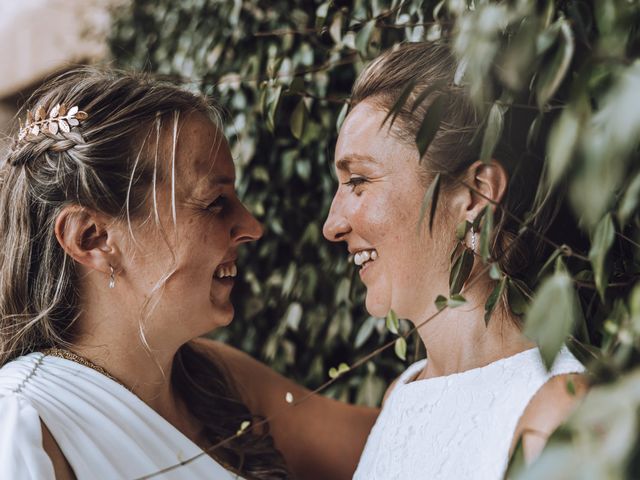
point(458, 426)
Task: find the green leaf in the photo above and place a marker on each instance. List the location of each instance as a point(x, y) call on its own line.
point(400, 348)
point(363, 36)
point(493, 299)
point(485, 234)
point(534, 131)
point(494, 272)
point(441, 302)
point(336, 372)
point(600, 246)
point(393, 324)
point(397, 107)
point(492, 132)
point(517, 462)
point(299, 119)
point(273, 100)
point(341, 116)
point(429, 126)
point(553, 72)
point(365, 331)
point(461, 229)
point(562, 143)
point(551, 316)
point(321, 13)
point(420, 99)
point(243, 426)
point(629, 201)
point(430, 199)
point(460, 271)
point(516, 297)
point(456, 300)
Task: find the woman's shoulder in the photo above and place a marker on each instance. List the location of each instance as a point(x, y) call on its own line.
point(22, 454)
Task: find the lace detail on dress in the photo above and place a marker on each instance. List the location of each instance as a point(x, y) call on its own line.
point(456, 426)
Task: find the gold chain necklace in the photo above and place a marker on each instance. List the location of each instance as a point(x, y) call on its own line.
point(74, 357)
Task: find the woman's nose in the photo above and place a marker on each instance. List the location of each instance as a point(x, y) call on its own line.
point(248, 229)
point(336, 225)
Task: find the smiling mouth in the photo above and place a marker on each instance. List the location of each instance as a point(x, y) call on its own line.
point(226, 271)
point(364, 257)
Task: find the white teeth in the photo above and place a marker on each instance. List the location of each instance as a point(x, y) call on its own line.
point(226, 271)
point(364, 256)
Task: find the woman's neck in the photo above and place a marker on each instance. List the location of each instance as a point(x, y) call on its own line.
point(458, 339)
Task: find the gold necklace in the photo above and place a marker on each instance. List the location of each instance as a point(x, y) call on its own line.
point(74, 357)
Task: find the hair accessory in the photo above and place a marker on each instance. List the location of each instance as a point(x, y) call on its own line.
point(112, 278)
point(58, 119)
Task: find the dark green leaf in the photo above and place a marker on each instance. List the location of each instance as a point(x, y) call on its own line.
point(516, 297)
point(486, 234)
point(420, 99)
point(563, 140)
point(430, 199)
point(399, 104)
point(517, 462)
point(492, 132)
point(600, 246)
point(630, 200)
point(460, 271)
point(441, 302)
point(534, 131)
point(430, 125)
point(493, 299)
point(299, 119)
point(551, 316)
point(552, 73)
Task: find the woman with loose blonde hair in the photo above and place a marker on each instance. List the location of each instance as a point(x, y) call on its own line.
point(120, 228)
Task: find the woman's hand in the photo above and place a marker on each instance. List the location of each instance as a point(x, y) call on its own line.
point(320, 439)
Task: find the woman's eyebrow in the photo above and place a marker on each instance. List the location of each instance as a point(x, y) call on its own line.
point(344, 162)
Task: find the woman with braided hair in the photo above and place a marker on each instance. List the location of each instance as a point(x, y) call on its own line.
point(119, 229)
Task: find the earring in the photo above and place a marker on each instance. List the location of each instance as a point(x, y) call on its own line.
point(473, 239)
point(112, 278)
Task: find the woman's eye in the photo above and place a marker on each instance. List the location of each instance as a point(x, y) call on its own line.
point(355, 182)
point(217, 205)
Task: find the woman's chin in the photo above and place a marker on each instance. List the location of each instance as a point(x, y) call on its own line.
point(376, 307)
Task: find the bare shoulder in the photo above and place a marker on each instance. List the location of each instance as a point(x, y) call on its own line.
point(61, 466)
point(549, 407)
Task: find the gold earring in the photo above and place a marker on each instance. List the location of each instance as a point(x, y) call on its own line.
point(112, 278)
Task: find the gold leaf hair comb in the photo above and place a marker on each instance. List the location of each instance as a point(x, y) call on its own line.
point(58, 119)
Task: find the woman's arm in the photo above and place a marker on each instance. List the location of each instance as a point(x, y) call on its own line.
point(549, 407)
point(321, 438)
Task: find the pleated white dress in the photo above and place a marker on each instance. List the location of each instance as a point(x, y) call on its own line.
point(457, 426)
point(103, 429)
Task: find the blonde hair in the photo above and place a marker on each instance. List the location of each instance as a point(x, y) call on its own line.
point(109, 164)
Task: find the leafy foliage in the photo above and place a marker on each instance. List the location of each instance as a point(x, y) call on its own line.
point(284, 69)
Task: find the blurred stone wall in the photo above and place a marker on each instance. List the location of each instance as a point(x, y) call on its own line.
point(42, 37)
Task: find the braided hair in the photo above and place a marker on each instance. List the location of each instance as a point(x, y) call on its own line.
point(106, 165)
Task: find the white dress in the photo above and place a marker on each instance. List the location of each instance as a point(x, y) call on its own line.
point(458, 426)
point(104, 430)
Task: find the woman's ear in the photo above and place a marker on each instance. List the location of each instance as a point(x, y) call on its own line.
point(84, 236)
point(486, 183)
